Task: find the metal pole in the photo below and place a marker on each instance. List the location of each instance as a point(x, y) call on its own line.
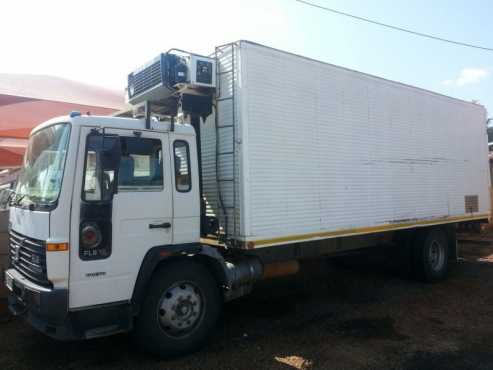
point(148, 114)
point(195, 122)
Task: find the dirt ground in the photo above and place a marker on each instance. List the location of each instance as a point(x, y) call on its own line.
point(363, 316)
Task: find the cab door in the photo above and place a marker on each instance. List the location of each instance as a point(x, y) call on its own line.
point(138, 216)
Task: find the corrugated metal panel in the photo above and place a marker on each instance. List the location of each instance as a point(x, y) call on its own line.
point(319, 148)
point(326, 148)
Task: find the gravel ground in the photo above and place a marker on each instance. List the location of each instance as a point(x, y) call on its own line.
point(364, 316)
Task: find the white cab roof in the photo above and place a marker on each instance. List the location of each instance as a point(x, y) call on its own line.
point(117, 123)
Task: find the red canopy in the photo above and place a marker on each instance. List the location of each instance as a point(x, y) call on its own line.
point(18, 116)
point(11, 152)
point(28, 100)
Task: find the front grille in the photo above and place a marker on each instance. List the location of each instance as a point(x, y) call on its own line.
point(146, 78)
point(28, 256)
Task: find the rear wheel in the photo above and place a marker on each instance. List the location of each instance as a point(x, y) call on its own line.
point(430, 254)
point(180, 310)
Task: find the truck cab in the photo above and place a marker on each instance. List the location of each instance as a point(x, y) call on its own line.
point(95, 196)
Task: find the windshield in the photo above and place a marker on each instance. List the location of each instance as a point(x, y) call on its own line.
point(41, 177)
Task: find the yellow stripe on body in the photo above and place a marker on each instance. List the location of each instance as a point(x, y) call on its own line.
point(363, 230)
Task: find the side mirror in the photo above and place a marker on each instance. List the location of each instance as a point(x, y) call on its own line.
point(111, 153)
point(109, 157)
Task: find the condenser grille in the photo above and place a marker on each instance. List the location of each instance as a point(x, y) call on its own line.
point(145, 79)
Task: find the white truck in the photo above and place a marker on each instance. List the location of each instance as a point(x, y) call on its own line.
point(231, 168)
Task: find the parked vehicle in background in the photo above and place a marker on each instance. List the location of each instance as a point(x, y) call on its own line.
point(233, 168)
point(5, 193)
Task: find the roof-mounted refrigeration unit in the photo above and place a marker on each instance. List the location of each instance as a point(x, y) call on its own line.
point(173, 80)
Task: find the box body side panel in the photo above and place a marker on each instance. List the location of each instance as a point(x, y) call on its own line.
point(332, 149)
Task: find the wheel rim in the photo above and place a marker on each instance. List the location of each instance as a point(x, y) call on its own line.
point(180, 309)
point(436, 256)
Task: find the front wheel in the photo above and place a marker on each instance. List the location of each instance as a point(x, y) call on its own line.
point(180, 310)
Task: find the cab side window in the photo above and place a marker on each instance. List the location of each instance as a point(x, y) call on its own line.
point(141, 165)
point(183, 179)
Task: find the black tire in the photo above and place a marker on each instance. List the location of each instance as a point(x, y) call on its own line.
point(430, 255)
point(156, 332)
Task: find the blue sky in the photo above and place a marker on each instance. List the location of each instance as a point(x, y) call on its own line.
point(99, 42)
point(425, 63)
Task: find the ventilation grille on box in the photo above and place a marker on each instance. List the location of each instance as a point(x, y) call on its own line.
point(471, 203)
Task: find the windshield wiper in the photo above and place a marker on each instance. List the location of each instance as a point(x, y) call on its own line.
point(29, 203)
point(24, 200)
point(16, 199)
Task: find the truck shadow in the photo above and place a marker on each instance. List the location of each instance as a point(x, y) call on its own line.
point(282, 307)
point(328, 312)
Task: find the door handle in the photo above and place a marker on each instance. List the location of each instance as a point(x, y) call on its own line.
point(164, 225)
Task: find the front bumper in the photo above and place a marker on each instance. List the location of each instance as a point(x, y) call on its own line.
point(44, 308)
point(47, 311)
